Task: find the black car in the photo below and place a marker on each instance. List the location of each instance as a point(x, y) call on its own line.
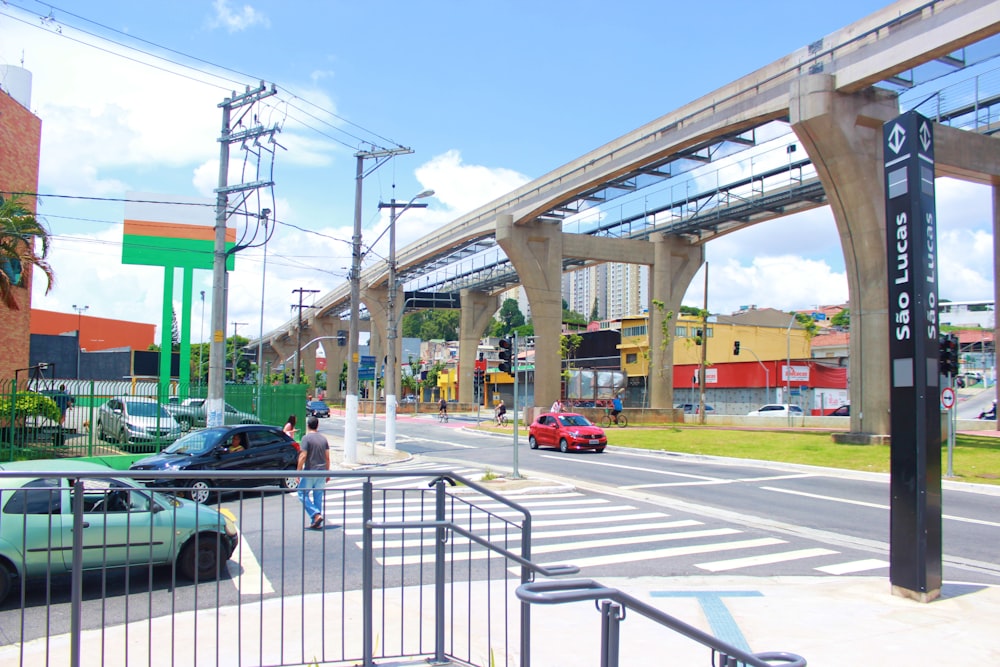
point(317, 408)
point(229, 448)
point(842, 411)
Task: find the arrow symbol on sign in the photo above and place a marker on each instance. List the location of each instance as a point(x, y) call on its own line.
point(925, 136)
point(897, 137)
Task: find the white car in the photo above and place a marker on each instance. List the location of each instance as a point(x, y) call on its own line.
point(776, 410)
point(130, 420)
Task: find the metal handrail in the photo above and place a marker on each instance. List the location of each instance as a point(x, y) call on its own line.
point(578, 590)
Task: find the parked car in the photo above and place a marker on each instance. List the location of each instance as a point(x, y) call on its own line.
point(409, 398)
point(191, 413)
point(566, 430)
point(229, 448)
point(125, 524)
point(842, 411)
point(692, 408)
point(776, 410)
point(131, 420)
point(317, 408)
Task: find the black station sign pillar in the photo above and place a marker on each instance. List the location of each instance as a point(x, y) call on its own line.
point(911, 246)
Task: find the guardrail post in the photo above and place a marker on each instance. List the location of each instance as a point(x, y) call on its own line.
point(76, 576)
point(439, 569)
point(367, 576)
point(610, 631)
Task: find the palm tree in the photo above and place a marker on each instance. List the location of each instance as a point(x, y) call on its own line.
point(18, 255)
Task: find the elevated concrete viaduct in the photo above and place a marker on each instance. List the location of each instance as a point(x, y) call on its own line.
point(825, 94)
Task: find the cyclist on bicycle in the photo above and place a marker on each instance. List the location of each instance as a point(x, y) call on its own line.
point(500, 412)
point(616, 407)
point(443, 408)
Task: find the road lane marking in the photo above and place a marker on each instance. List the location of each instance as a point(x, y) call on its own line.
point(671, 552)
point(764, 559)
point(854, 566)
point(537, 549)
point(950, 517)
point(246, 575)
point(553, 534)
point(669, 473)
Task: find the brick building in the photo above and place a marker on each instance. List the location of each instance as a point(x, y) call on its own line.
point(20, 149)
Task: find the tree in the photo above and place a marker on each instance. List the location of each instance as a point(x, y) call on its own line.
point(431, 325)
point(19, 229)
point(842, 319)
point(595, 313)
point(808, 323)
point(511, 318)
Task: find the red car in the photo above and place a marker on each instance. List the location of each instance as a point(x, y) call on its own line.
point(567, 431)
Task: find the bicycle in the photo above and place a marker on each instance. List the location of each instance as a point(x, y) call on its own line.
point(619, 420)
point(443, 416)
point(501, 420)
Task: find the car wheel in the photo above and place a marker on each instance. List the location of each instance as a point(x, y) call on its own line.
point(599, 450)
point(199, 491)
point(100, 429)
point(532, 442)
point(185, 424)
point(563, 445)
point(201, 558)
point(289, 483)
point(6, 581)
point(122, 436)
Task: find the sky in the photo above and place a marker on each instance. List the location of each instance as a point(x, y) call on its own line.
point(487, 95)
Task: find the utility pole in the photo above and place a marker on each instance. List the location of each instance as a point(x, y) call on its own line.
point(235, 359)
point(351, 397)
point(298, 340)
point(393, 317)
point(215, 400)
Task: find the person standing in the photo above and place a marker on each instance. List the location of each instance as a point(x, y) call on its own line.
point(313, 455)
point(557, 406)
point(290, 427)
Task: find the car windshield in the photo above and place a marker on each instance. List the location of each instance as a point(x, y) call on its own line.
point(574, 420)
point(197, 442)
point(146, 409)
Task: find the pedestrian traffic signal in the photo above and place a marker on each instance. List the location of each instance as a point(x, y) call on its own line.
point(506, 356)
point(477, 377)
point(736, 348)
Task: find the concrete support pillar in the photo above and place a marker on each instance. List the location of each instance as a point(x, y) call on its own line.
point(477, 309)
point(336, 354)
point(535, 250)
point(675, 263)
point(285, 347)
point(996, 275)
point(271, 358)
point(842, 134)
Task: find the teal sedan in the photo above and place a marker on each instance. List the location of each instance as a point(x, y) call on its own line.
point(124, 524)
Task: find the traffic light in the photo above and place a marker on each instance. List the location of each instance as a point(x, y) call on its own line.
point(477, 377)
point(948, 354)
point(506, 356)
point(736, 348)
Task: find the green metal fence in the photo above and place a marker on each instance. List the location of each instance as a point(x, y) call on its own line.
point(44, 419)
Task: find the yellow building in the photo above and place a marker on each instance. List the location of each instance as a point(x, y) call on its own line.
point(760, 334)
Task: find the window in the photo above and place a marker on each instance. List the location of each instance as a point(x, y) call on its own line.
point(639, 330)
point(39, 496)
point(631, 358)
point(681, 332)
point(263, 438)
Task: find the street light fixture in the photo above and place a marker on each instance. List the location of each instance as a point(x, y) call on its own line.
point(391, 374)
point(80, 310)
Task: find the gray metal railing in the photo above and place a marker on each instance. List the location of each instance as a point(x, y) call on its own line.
point(366, 588)
point(613, 602)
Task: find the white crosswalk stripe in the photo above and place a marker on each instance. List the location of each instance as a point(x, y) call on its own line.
point(586, 530)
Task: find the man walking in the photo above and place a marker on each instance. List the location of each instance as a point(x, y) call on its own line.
point(313, 455)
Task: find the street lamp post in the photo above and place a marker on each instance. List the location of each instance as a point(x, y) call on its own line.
point(391, 374)
point(80, 310)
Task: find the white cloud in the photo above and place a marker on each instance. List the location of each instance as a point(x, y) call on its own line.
point(236, 21)
point(463, 188)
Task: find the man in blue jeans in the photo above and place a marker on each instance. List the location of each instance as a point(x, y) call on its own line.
point(313, 455)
